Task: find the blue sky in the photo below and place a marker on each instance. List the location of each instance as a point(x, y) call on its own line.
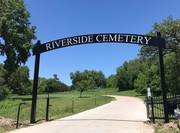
point(57, 19)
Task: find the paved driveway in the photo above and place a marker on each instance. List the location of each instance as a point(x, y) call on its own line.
point(124, 115)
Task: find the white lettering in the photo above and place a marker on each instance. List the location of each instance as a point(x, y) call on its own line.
point(120, 38)
point(75, 41)
point(57, 43)
point(147, 39)
point(90, 39)
point(48, 46)
point(113, 39)
point(124, 38)
point(79, 40)
point(52, 44)
point(84, 39)
point(127, 36)
point(133, 39)
point(105, 38)
point(63, 42)
point(139, 39)
point(69, 41)
point(99, 38)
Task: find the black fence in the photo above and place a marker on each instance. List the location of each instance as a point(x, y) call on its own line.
point(155, 109)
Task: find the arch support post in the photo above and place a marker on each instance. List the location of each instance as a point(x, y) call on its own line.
point(163, 83)
point(35, 85)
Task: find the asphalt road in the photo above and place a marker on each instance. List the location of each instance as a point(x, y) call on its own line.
point(124, 115)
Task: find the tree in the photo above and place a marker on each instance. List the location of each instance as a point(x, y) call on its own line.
point(52, 85)
point(16, 33)
point(19, 81)
point(97, 77)
point(42, 85)
point(172, 75)
point(170, 30)
point(123, 77)
point(87, 80)
point(148, 77)
point(111, 81)
point(76, 77)
point(141, 83)
point(2, 74)
point(4, 91)
point(84, 85)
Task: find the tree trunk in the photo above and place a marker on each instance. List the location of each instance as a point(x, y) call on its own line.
point(81, 94)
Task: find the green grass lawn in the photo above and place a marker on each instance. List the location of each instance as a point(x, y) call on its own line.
point(62, 104)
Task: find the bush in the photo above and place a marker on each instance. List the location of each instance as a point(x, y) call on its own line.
point(4, 92)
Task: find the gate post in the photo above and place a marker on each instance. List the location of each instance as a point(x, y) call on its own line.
point(163, 83)
point(35, 85)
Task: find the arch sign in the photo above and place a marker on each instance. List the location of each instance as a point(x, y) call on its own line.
point(98, 38)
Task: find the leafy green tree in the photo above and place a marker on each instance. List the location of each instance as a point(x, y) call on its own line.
point(87, 80)
point(76, 77)
point(111, 81)
point(141, 83)
point(148, 77)
point(84, 85)
point(127, 74)
point(133, 68)
point(124, 77)
point(19, 81)
point(4, 91)
point(2, 74)
point(170, 30)
point(42, 85)
point(100, 79)
point(51, 85)
point(172, 73)
point(97, 77)
point(16, 33)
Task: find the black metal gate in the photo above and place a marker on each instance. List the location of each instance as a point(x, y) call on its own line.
point(155, 109)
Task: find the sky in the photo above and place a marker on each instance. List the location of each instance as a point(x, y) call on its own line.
point(56, 19)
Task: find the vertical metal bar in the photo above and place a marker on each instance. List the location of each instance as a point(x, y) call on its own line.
point(95, 103)
point(35, 86)
point(17, 122)
point(159, 108)
point(72, 104)
point(163, 85)
point(155, 106)
point(147, 107)
point(47, 109)
point(152, 111)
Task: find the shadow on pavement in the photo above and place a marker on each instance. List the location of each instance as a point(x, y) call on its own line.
point(102, 120)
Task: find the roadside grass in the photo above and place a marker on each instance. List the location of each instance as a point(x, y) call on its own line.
point(5, 129)
point(62, 104)
point(159, 130)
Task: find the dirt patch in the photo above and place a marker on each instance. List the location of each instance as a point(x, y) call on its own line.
point(168, 127)
point(6, 122)
point(172, 126)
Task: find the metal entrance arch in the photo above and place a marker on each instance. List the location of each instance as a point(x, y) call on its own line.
point(99, 38)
